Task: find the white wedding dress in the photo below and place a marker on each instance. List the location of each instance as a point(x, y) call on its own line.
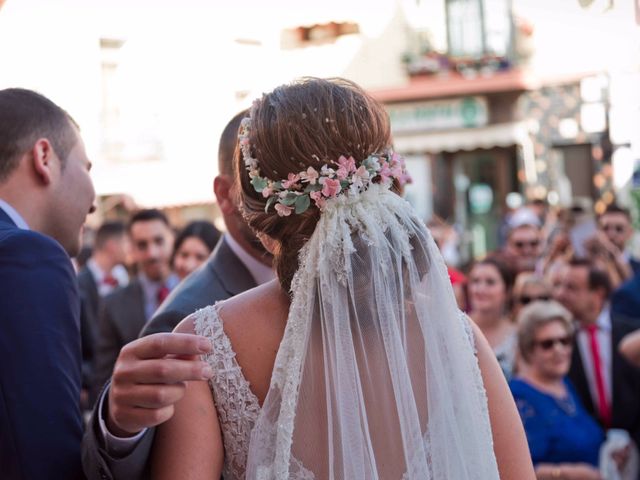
point(236, 405)
point(376, 376)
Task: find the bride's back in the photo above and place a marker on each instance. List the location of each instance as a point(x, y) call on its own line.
point(254, 322)
point(359, 357)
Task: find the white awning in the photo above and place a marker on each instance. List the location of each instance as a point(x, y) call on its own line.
point(498, 135)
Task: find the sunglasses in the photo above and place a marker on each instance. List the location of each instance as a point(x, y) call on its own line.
point(526, 299)
point(548, 343)
point(520, 244)
point(614, 228)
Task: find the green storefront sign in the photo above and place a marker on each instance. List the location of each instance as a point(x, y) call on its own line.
point(465, 112)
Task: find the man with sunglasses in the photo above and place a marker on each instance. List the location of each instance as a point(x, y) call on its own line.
point(608, 245)
point(524, 240)
point(607, 384)
point(615, 224)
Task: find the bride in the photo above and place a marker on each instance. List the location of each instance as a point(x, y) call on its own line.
point(356, 363)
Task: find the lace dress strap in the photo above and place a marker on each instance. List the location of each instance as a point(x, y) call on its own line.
point(236, 405)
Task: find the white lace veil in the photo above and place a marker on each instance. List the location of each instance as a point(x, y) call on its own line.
point(376, 376)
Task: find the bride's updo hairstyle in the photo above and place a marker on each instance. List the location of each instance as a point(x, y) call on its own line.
point(309, 123)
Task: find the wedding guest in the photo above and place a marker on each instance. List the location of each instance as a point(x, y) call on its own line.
point(528, 288)
point(118, 440)
point(490, 289)
point(630, 347)
point(104, 271)
point(626, 299)
point(524, 240)
point(564, 439)
point(192, 247)
point(608, 386)
point(127, 309)
point(45, 195)
point(615, 223)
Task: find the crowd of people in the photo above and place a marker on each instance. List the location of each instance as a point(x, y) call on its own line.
point(130, 271)
point(558, 304)
point(347, 356)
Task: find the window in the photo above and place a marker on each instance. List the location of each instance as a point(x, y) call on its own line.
point(479, 28)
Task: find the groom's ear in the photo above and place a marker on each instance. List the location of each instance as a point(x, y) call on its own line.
point(44, 162)
point(223, 189)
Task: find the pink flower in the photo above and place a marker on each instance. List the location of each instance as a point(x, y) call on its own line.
point(349, 163)
point(291, 180)
point(283, 210)
point(330, 187)
point(396, 171)
point(385, 172)
point(405, 178)
point(347, 166)
point(311, 176)
point(360, 177)
point(318, 198)
point(266, 192)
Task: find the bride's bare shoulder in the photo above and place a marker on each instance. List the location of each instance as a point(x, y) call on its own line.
point(255, 310)
point(264, 298)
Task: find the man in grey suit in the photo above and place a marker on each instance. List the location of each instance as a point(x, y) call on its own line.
point(127, 309)
point(119, 437)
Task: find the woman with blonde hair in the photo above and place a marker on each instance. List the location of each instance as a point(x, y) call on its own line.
point(563, 438)
point(356, 363)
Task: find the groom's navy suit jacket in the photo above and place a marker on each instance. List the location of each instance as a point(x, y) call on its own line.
point(40, 420)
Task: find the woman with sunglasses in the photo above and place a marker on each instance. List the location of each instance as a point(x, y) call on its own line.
point(564, 439)
point(528, 288)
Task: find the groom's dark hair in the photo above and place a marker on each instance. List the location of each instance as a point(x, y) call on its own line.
point(228, 142)
point(25, 117)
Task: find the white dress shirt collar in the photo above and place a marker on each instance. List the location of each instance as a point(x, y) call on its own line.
point(14, 215)
point(603, 336)
point(603, 322)
point(260, 272)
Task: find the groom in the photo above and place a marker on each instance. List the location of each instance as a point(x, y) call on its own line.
point(119, 437)
point(45, 195)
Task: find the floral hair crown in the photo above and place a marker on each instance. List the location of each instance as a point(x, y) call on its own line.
point(343, 177)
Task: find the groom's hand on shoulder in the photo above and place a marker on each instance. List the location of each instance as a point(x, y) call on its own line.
point(149, 378)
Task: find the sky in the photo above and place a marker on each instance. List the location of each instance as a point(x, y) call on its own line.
point(181, 68)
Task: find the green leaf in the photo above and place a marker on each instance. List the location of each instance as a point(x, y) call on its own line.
point(259, 183)
point(302, 203)
point(269, 203)
point(289, 200)
point(312, 188)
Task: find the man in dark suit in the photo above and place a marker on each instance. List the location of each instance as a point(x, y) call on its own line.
point(610, 244)
point(103, 272)
point(45, 195)
point(238, 263)
point(626, 299)
point(607, 384)
point(127, 309)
